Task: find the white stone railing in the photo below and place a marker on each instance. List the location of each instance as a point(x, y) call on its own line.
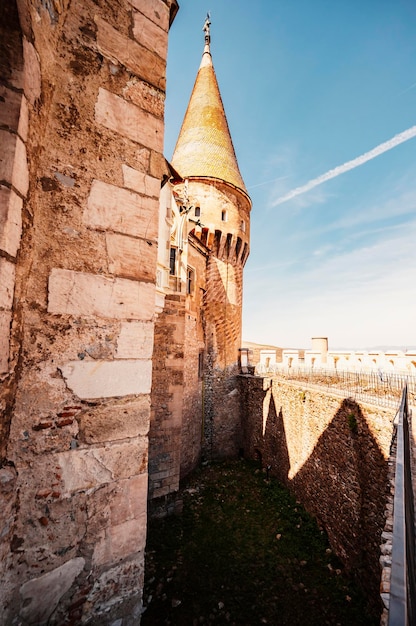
point(374, 387)
point(398, 558)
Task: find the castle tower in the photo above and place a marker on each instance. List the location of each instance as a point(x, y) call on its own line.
point(214, 193)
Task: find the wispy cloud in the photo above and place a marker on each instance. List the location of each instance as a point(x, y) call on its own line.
point(349, 165)
point(267, 182)
point(407, 89)
point(399, 205)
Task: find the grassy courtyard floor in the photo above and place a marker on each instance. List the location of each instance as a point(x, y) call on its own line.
point(244, 553)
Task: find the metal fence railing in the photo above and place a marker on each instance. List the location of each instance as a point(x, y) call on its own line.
point(374, 387)
point(402, 603)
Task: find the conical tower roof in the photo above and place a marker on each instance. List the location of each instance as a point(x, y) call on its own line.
point(204, 148)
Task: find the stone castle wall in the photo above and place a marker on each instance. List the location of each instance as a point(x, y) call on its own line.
point(223, 328)
point(175, 440)
point(167, 399)
point(333, 455)
point(194, 365)
point(83, 89)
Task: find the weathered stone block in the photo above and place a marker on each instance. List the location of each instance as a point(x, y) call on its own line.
point(40, 596)
point(20, 178)
point(120, 541)
point(149, 34)
point(78, 293)
point(7, 277)
point(160, 492)
point(131, 258)
point(129, 120)
point(106, 379)
point(142, 159)
point(5, 321)
point(13, 161)
point(23, 127)
point(140, 182)
point(113, 208)
point(10, 220)
point(32, 75)
point(135, 340)
point(146, 97)
point(119, 583)
point(85, 469)
point(120, 420)
point(10, 109)
point(8, 476)
point(129, 501)
point(157, 164)
point(134, 56)
point(129, 537)
point(156, 11)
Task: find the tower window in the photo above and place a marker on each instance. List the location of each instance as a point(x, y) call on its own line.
point(190, 280)
point(243, 226)
point(197, 211)
point(172, 262)
point(224, 216)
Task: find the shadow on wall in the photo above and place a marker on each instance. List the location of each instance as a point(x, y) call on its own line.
point(274, 439)
point(342, 482)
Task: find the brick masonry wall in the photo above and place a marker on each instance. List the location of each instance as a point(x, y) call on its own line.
point(333, 454)
point(177, 390)
point(222, 436)
point(228, 241)
point(83, 88)
point(213, 320)
point(167, 398)
point(192, 424)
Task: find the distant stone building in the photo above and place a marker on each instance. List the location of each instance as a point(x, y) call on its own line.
point(120, 302)
point(319, 356)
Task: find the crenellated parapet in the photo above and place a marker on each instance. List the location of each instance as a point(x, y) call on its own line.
point(219, 217)
point(224, 245)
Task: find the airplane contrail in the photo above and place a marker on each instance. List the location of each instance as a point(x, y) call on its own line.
point(349, 165)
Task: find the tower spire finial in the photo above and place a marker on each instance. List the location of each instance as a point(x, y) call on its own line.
point(206, 30)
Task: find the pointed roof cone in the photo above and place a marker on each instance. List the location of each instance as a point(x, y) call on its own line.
point(204, 148)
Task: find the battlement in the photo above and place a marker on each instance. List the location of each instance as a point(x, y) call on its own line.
point(226, 246)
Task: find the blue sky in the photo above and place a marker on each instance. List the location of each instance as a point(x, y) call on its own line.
point(308, 86)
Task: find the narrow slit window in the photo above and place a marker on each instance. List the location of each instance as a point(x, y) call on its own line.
point(224, 216)
point(172, 262)
point(190, 281)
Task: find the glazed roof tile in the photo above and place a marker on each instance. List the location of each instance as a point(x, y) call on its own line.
point(204, 147)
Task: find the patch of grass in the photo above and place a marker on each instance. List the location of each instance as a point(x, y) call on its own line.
point(244, 553)
point(352, 423)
